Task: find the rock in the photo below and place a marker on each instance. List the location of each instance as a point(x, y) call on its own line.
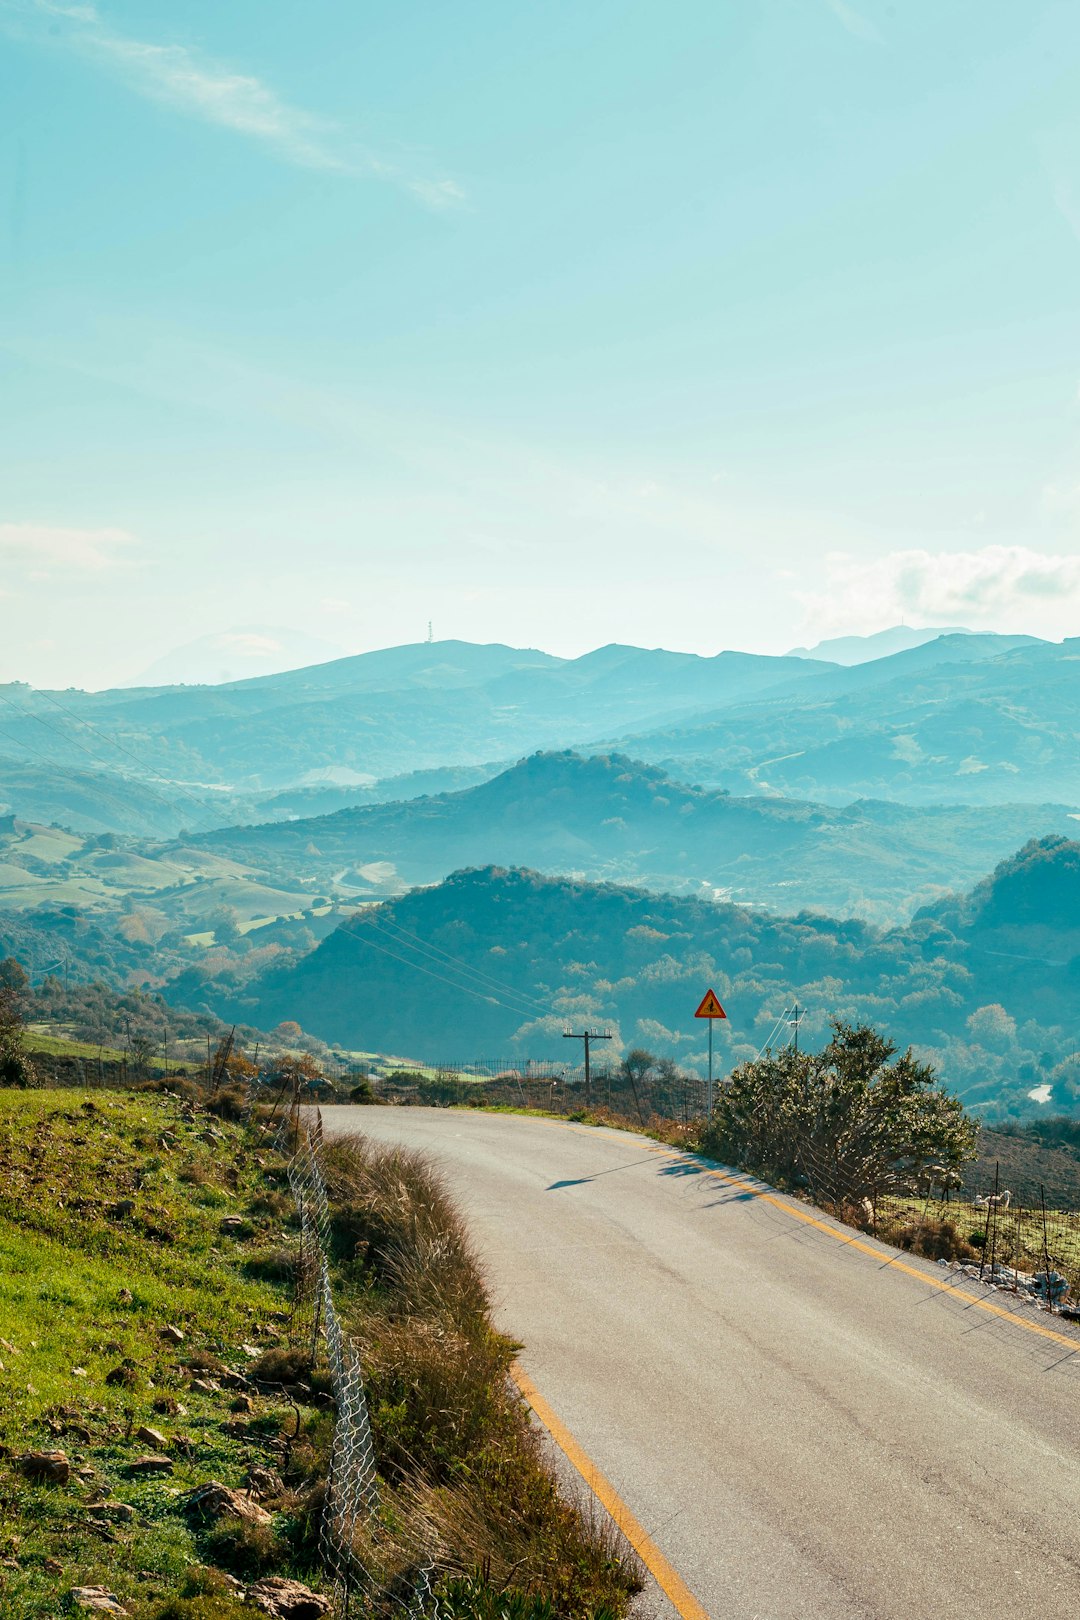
point(263, 1483)
point(282, 1599)
point(125, 1375)
point(79, 1372)
point(151, 1464)
point(215, 1501)
point(122, 1209)
point(151, 1437)
point(95, 1599)
point(46, 1467)
point(172, 1335)
point(125, 1296)
point(5, 1344)
point(242, 1403)
point(205, 1386)
point(233, 1380)
point(121, 1512)
point(231, 1223)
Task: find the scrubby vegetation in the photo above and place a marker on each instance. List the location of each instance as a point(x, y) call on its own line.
point(463, 1473)
point(846, 1122)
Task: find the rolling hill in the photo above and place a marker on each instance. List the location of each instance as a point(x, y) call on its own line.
point(495, 961)
point(610, 817)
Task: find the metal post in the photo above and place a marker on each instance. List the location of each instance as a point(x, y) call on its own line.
point(588, 1036)
point(708, 1100)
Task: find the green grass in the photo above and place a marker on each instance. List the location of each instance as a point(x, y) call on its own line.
point(60, 1046)
point(68, 1264)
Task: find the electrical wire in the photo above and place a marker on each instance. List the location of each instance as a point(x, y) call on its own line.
point(419, 967)
point(123, 749)
point(416, 943)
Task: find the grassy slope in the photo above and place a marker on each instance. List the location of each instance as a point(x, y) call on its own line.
point(64, 1260)
point(86, 1288)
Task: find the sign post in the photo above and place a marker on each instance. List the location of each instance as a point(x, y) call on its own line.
point(710, 1008)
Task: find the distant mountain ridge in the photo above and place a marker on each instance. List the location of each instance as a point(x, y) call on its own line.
point(882, 644)
point(963, 718)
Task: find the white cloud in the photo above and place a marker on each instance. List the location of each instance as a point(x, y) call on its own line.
point(216, 94)
point(855, 24)
point(38, 549)
point(1007, 587)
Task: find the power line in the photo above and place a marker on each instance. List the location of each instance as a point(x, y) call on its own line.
point(27, 714)
point(56, 765)
point(79, 721)
point(477, 973)
point(419, 967)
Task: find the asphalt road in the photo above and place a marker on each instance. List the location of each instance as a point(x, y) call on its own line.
point(806, 1431)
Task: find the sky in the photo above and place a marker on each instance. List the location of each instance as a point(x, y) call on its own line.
point(737, 323)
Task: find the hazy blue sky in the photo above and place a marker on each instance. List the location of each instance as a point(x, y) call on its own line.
point(706, 325)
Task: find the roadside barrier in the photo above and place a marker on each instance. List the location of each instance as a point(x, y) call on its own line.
point(351, 1503)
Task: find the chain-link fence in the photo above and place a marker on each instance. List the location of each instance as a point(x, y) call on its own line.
point(1009, 1236)
point(350, 1514)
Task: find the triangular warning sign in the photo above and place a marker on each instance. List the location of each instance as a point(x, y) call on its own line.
point(710, 1007)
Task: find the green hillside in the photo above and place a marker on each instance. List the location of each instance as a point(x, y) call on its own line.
point(495, 961)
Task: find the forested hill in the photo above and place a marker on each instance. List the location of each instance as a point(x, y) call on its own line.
point(494, 961)
point(611, 817)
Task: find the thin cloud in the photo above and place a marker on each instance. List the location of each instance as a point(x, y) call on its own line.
point(855, 24)
point(210, 91)
point(39, 549)
point(995, 585)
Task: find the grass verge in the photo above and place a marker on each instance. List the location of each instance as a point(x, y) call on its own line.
point(146, 1260)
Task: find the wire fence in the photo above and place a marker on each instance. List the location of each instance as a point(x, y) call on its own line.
point(1016, 1238)
point(350, 1515)
point(555, 1088)
point(351, 1501)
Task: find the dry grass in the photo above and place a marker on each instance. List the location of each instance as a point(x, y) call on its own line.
point(463, 1467)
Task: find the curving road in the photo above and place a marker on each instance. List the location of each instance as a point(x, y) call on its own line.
point(806, 1430)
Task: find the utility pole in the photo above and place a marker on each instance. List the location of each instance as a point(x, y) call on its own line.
point(588, 1036)
point(795, 1021)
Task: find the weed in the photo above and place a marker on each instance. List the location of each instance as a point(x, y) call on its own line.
point(247, 1549)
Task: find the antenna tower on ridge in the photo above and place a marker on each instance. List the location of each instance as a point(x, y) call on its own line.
point(430, 636)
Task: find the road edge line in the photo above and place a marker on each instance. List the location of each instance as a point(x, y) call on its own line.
point(791, 1207)
point(665, 1575)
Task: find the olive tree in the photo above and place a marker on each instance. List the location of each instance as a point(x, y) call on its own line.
point(848, 1122)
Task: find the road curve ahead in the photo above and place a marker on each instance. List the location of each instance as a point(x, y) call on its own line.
point(805, 1430)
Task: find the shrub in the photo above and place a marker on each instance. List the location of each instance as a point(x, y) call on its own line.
point(246, 1549)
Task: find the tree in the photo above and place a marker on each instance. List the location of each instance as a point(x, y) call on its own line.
point(635, 1067)
point(14, 978)
point(845, 1122)
point(992, 1026)
point(16, 1068)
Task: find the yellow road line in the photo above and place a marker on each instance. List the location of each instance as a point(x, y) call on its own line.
point(667, 1578)
point(797, 1213)
point(943, 1286)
